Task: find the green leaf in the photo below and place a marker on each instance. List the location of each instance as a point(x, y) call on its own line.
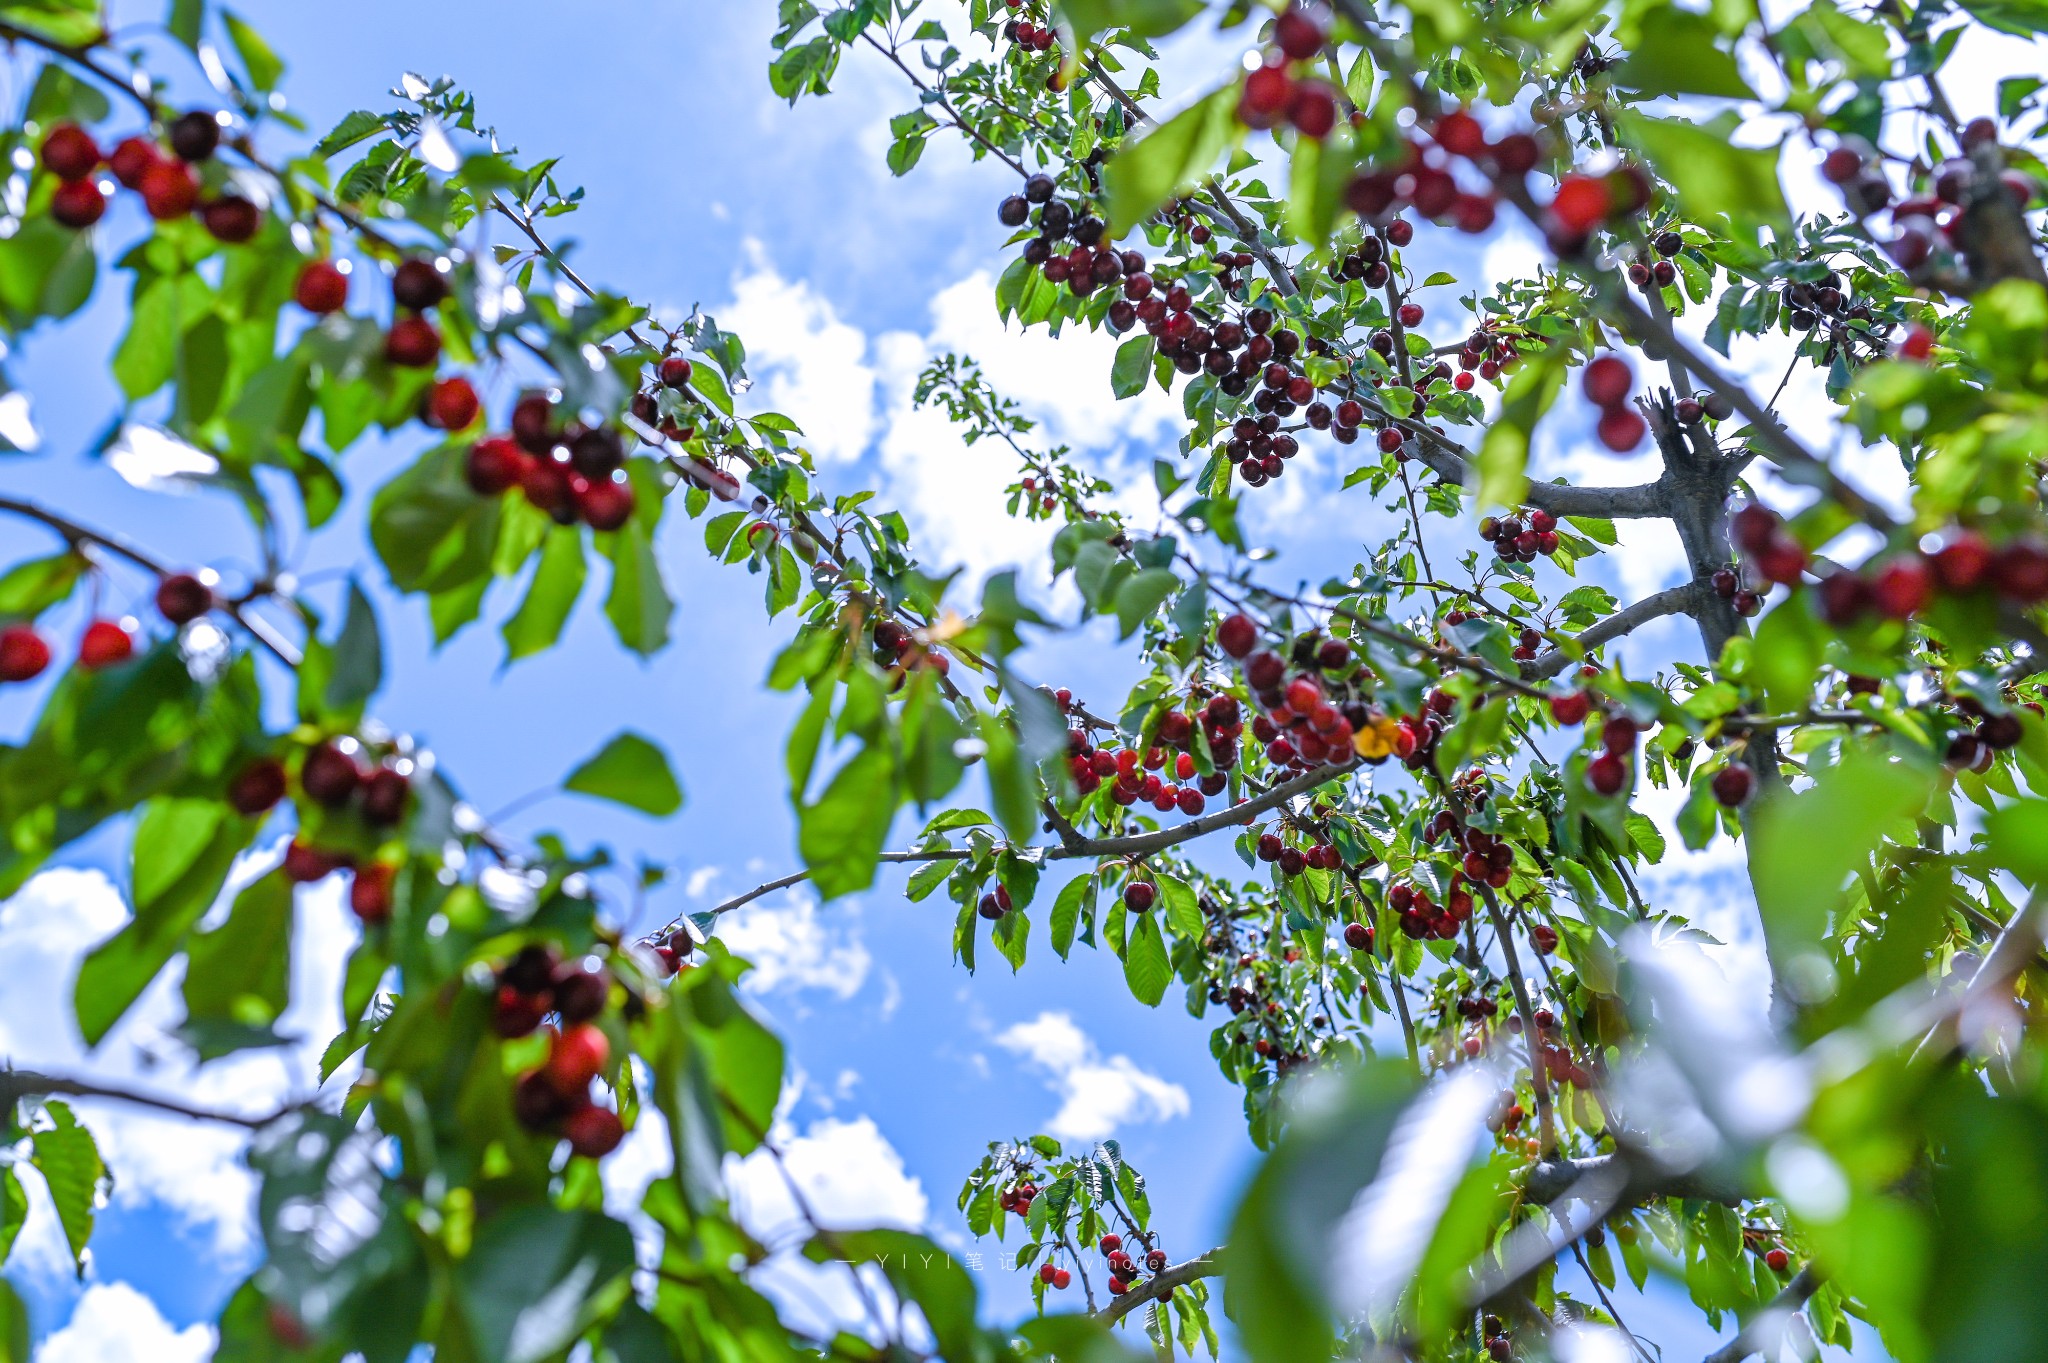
point(1146, 968)
point(262, 64)
point(72, 23)
point(1676, 54)
point(550, 597)
point(1170, 159)
point(13, 1213)
point(840, 836)
point(639, 605)
point(241, 970)
point(431, 531)
point(69, 1161)
point(1140, 595)
point(1132, 369)
point(1504, 453)
point(182, 853)
point(2022, 18)
point(631, 771)
point(537, 1277)
point(1804, 846)
point(358, 655)
point(33, 587)
point(186, 19)
point(1144, 18)
point(1075, 895)
point(359, 126)
point(1179, 905)
point(1713, 175)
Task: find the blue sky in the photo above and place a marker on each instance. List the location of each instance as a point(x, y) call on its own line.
point(703, 188)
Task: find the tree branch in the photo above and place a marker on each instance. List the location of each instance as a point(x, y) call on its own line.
point(15, 1085)
point(1131, 845)
point(1671, 601)
point(1162, 1285)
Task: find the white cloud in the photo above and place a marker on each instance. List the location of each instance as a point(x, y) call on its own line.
point(807, 364)
point(113, 1320)
point(193, 1169)
point(851, 1177)
point(1097, 1096)
point(795, 946)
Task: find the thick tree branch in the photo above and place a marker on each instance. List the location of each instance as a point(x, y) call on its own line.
point(1162, 1285)
point(1671, 601)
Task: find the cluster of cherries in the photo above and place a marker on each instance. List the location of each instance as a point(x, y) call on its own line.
point(1607, 382)
point(1146, 777)
point(555, 1095)
point(1498, 1347)
point(1926, 223)
point(1659, 273)
point(1274, 93)
point(1016, 1199)
point(899, 652)
point(1275, 850)
point(169, 184)
point(418, 286)
point(1522, 536)
point(1306, 722)
point(1901, 585)
point(1029, 36)
point(24, 654)
point(1092, 263)
point(1978, 745)
point(1425, 180)
point(334, 778)
point(1123, 1269)
point(570, 470)
point(1487, 353)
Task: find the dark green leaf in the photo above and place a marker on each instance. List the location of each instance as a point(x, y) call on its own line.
point(632, 771)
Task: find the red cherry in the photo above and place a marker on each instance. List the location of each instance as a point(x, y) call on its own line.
point(23, 654)
point(384, 796)
point(105, 643)
point(69, 153)
point(1607, 381)
point(370, 894)
point(517, 1013)
point(1460, 134)
point(575, 1058)
point(1110, 1244)
point(1582, 203)
point(593, 1132)
point(169, 190)
point(418, 284)
point(1544, 938)
point(1299, 34)
point(452, 404)
point(2019, 571)
point(606, 504)
point(330, 776)
point(1917, 344)
point(303, 864)
point(413, 343)
point(1061, 1279)
point(78, 204)
point(1733, 785)
point(321, 289)
point(231, 219)
point(1312, 108)
point(1267, 91)
point(258, 787)
point(1569, 710)
point(1777, 1260)
point(675, 372)
point(1903, 587)
point(1621, 430)
point(182, 598)
point(494, 465)
point(1606, 774)
point(132, 159)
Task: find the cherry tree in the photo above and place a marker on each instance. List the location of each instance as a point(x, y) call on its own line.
point(1384, 833)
